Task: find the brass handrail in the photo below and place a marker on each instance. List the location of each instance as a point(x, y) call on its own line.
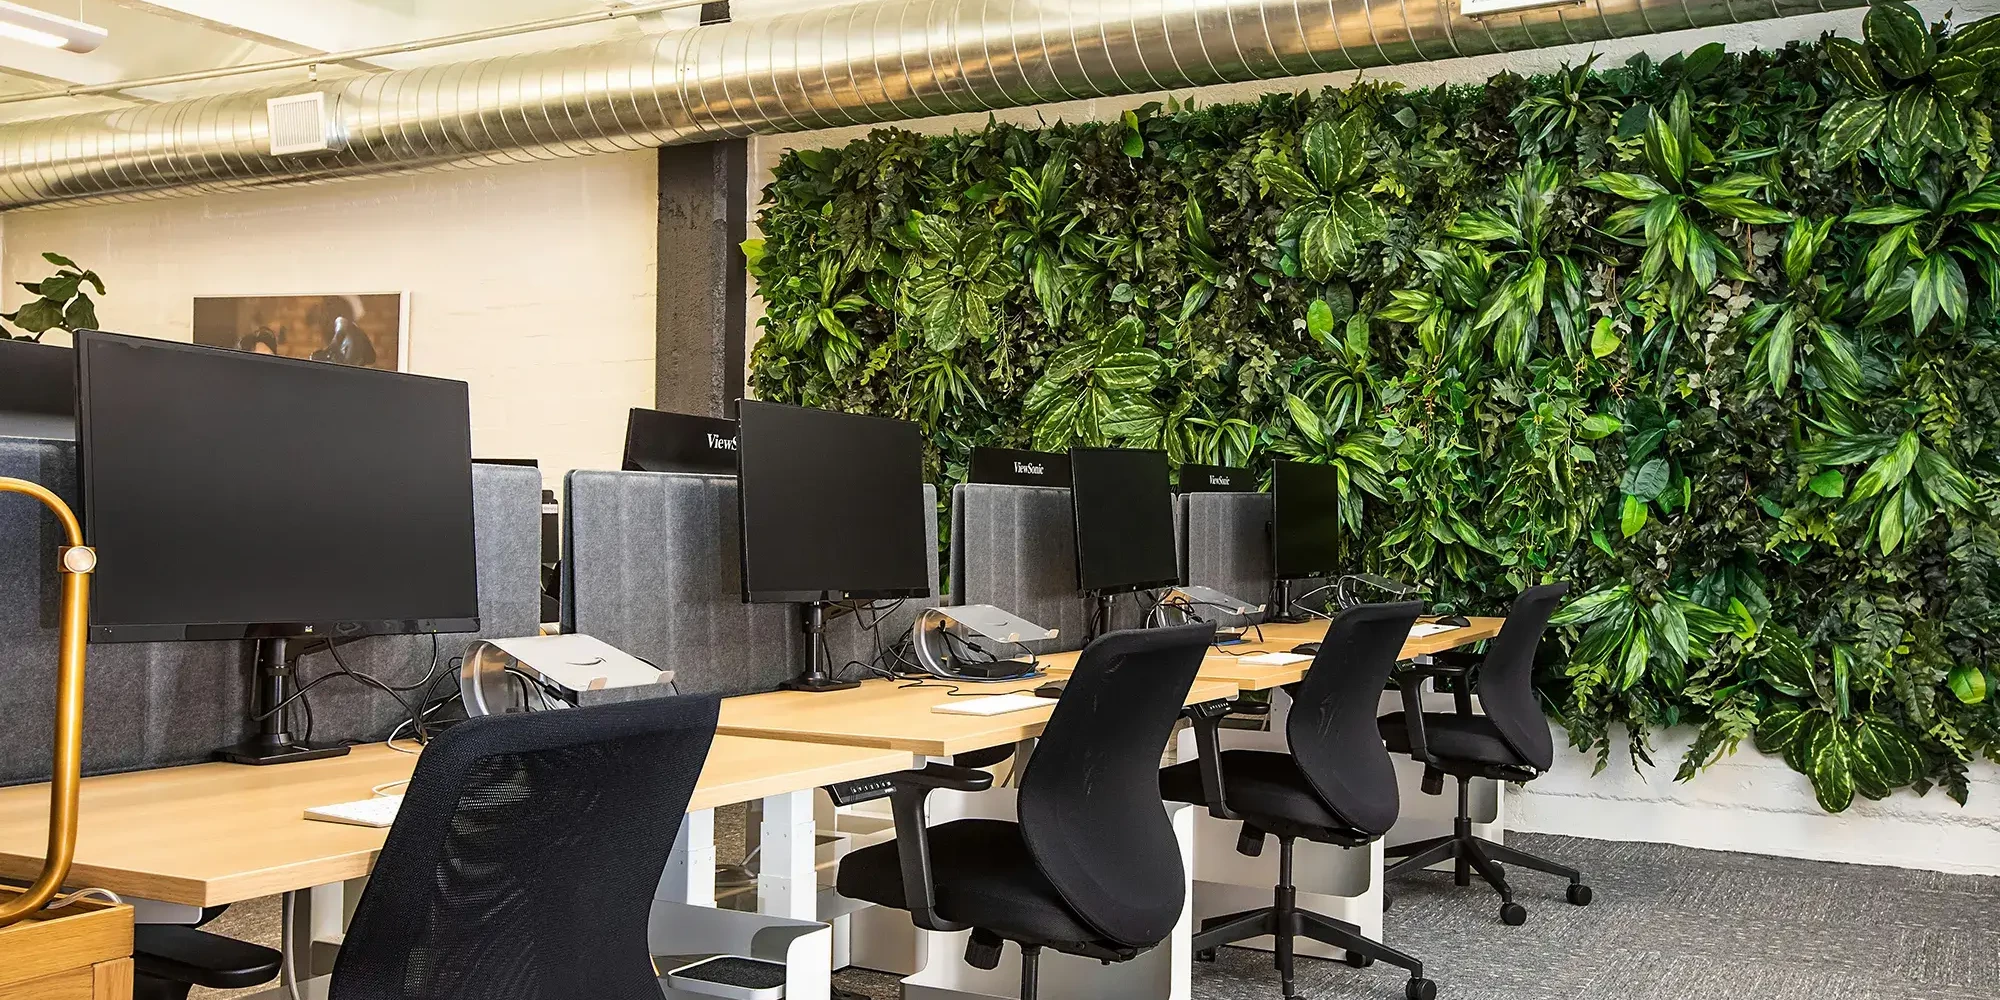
point(75, 561)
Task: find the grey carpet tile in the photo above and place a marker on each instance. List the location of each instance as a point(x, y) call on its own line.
point(1668, 923)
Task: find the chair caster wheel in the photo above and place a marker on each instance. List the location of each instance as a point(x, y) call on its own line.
point(1421, 989)
point(1579, 895)
point(1513, 914)
point(1358, 960)
point(1205, 955)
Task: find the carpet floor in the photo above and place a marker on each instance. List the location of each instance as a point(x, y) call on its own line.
point(1668, 923)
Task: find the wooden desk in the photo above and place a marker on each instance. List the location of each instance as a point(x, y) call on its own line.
point(220, 833)
point(898, 716)
point(1227, 668)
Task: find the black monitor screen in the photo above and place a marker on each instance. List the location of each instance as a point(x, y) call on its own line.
point(1305, 521)
point(1124, 520)
point(233, 495)
point(832, 505)
point(657, 441)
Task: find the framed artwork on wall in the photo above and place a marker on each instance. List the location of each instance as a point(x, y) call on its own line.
point(366, 329)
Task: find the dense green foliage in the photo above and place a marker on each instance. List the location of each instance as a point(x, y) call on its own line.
point(1712, 338)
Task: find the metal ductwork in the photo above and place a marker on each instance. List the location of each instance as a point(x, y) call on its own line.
point(856, 64)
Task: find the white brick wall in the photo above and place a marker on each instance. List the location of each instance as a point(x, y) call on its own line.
point(534, 283)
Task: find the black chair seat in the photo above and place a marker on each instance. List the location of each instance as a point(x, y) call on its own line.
point(1473, 739)
point(1262, 785)
point(985, 878)
point(182, 954)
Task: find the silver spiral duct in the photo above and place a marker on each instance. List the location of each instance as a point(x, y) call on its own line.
point(856, 64)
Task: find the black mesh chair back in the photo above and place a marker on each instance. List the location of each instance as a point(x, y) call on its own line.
point(1332, 730)
point(1507, 677)
point(523, 862)
point(1090, 805)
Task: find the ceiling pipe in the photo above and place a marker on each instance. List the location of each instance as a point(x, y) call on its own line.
point(855, 64)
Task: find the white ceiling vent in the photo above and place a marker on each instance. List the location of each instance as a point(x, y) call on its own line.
point(305, 123)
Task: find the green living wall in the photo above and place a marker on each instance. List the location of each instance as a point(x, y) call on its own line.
point(1713, 338)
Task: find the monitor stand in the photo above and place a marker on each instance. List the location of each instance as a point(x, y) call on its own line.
point(1283, 611)
point(815, 677)
point(1100, 615)
point(277, 666)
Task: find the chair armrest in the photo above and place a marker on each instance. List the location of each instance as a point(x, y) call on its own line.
point(1413, 720)
point(908, 792)
point(1207, 719)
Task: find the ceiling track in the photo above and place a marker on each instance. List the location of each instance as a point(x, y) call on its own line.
point(856, 64)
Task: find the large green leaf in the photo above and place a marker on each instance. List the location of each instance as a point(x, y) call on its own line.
point(1850, 126)
point(1910, 114)
point(1637, 187)
point(1780, 728)
point(1832, 775)
point(1889, 471)
point(1850, 60)
point(1899, 39)
point(1648, 479)
point(1967, 683)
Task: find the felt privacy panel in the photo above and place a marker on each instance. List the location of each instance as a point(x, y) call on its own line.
point(166, 703)
point(1228, 544)
point(652, 565)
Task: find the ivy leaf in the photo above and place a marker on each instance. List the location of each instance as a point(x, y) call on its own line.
point(1633, 517)
point(1829, 484)
point(1648, 480)
point(1604, 339)
point(1899, 40)
point(1600, 425)
point(1968, 683)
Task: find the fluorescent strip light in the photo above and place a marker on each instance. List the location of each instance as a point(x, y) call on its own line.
point(26, 24)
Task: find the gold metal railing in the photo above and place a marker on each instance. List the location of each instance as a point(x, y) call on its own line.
point(76, 561)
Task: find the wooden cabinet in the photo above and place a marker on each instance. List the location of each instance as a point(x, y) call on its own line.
point(80, 952)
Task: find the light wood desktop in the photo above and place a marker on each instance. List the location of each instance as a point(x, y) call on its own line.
point(897, 715)
point(220, 833)
point(1228, 668)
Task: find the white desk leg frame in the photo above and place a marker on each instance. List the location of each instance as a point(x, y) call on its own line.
point(787, 882)
point(690, 874)
point(1160, 974)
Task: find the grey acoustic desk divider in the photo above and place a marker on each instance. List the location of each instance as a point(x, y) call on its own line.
point(1014, 547)
point(652, 564)
point(1228, 544)
point(159, 704)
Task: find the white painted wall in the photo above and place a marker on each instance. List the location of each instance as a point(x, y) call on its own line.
point(534, 283)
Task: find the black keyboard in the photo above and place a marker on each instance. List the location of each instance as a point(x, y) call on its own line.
point(847, 793)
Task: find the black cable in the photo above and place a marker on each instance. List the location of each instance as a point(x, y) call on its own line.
point(416, 720)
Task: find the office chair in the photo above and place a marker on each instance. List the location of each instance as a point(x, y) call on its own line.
point(1336, 786)
point(1511, 742)
point(523, 862)
point(1092, 868)
point(168, 959)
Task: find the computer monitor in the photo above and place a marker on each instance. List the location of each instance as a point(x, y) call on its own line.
point(1305, 521)
point(657, 441)
point(1014, 467)
point(1124, 515)
point(832, 509)
point(37, 390)
point(1217, 479)
point(233, 495)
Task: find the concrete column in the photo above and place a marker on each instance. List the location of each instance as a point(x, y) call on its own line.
point(702, 283)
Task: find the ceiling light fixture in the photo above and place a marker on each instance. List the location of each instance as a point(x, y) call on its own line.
point(26, 24)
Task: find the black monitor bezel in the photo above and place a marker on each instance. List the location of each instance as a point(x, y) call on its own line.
point(628, 463)
point(804, 596)
point(1277, 558)
point(223, 631)
point(1076, 529)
